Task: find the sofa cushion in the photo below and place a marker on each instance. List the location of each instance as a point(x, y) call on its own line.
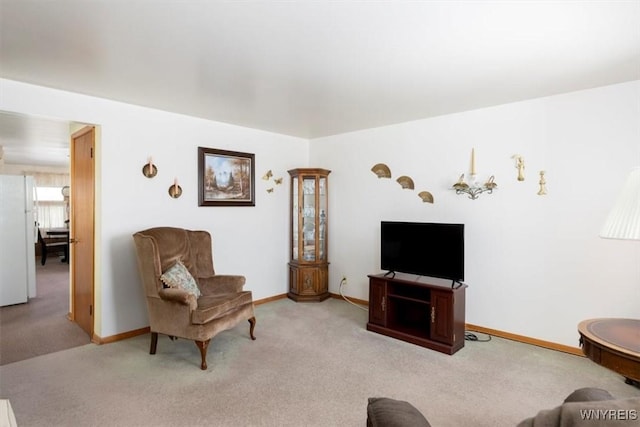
point(212, 307)
point(386, 412)
point(177, 276)
point(589, 394)
point(590, 413)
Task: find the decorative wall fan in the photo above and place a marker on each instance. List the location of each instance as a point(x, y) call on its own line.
point(405, 182)
point(426, 196)
point(381, 170)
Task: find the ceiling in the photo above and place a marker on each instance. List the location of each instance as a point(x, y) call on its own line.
point(29, 140)
point(318, 68)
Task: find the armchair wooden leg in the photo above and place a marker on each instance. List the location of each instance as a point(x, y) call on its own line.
point(154, 343)
point(252, 322)
point(202, 346)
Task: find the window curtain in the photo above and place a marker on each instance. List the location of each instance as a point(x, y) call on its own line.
point(45, 179)
point(51, 213)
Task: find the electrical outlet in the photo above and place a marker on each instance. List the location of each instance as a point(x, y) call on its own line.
point(344, 281)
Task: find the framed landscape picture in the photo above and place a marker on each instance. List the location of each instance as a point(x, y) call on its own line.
point(225, 178)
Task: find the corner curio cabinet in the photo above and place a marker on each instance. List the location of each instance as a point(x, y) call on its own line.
point(308, 265)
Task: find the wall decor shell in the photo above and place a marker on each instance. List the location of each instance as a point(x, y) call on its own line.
point(381, 170)
point(405, 182)
point(426, 196)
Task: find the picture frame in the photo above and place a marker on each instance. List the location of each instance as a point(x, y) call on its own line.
point(225, 178)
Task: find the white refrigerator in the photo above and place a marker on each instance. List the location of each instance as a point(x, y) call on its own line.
point(17, 239)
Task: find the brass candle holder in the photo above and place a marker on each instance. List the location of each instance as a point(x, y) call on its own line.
point(175, 191)
point(149, 169)
point(473, 189)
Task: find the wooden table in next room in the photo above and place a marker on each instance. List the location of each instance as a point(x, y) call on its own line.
point(60, 232)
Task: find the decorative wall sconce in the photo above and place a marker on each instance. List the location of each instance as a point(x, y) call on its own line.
point(519, 166)
point(381, 170)
point(175, 190)
point(473, 189)
point(149, 169)
point(543, 185)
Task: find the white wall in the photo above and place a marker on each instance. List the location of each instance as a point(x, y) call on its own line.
point(247, 240)
point(535, 265)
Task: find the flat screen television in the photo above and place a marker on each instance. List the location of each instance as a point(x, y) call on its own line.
point(423, 248)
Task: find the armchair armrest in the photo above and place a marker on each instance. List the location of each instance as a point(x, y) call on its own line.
point(178, 295)
point(221, 284)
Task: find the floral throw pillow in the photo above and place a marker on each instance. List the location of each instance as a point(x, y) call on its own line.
point(179, 277)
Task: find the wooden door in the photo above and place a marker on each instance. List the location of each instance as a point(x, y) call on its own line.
point(82, 227)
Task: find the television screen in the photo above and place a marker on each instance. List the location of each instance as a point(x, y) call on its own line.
point(426, 249)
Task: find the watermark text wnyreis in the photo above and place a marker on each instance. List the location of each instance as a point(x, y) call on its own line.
point(609, 414)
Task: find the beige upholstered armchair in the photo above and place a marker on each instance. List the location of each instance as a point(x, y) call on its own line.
point(185, 298)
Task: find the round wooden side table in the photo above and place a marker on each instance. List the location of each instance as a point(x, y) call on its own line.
point(613, 343)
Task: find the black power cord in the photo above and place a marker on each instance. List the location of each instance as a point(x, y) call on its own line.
point(469, 336)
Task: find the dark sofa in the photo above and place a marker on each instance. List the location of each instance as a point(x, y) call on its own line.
point(592, 407)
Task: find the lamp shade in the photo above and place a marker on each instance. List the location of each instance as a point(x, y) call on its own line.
point(624, 219)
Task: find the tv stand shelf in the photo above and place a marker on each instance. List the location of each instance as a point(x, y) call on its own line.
point(403, 298)
point(424, 311)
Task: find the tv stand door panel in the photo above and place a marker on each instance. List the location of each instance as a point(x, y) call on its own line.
point(377, 302)
point(442, 317)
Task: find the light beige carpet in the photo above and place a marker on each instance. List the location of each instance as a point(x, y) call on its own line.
point(311, 365)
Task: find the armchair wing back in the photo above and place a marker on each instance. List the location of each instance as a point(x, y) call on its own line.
point(197, 304)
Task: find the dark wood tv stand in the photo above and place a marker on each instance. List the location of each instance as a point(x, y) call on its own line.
point(424, 311)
